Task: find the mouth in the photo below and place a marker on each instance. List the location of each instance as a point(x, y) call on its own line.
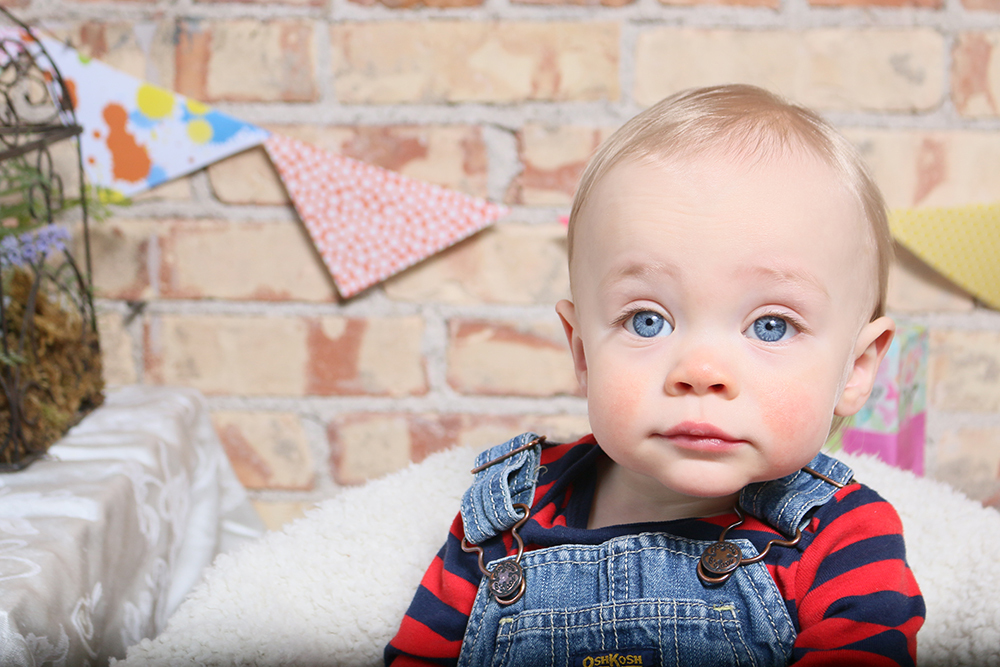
point(701, 436)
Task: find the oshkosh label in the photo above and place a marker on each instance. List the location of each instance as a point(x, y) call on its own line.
point(628, 658)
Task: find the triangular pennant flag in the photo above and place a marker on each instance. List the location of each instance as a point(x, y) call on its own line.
point(961, 243)
point(369, 223)
point(137, 135)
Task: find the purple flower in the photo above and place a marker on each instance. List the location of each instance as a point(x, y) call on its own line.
point(32, 246)
point(10, 252)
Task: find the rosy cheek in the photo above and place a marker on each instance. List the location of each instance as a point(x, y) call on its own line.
point(786, 415)
point(613, 398)
point(795, 415)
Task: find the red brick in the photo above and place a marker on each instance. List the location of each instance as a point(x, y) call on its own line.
point(844, 69)
point(117, 363)
point(412, 4)
point(972, 70)
point(553, 159)
point(964, 371)
point(220, 259)
point(242, 355)
point(453, 156)
point(474, 61)
point(932, 168)
point(115, 43)
point(366, 445)
point(771, 4)
point(968, 458)
point(373, 356)
point(276, 514)
point(507, 263)
point(174, 190)
point(262, 355)
point(298, 3)
point(930, 4)
point(984, 5)
point(267, 450)
point(436, 432)
point(430, 433)
point(194, 51)
point(334, 359)
point(246, 61)
point(589, 3)
point(120, 251)
point(509, 358)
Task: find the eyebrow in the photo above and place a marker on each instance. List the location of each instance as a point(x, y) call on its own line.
point(795, 278)
point(787, 276)
point(638, 270)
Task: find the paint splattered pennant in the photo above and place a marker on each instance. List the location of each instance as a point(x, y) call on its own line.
point(369, 223)
point(137, 135)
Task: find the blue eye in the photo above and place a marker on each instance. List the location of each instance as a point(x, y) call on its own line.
point(771, 329)
point(647, 324)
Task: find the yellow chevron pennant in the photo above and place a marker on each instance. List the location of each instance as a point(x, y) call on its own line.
point(962, 243)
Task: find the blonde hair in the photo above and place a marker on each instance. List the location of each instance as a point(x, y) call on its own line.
point(748, 123)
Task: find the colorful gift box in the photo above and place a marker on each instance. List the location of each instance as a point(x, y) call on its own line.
point(892, 423)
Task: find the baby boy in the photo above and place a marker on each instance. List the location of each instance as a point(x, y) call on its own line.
point(728, 255)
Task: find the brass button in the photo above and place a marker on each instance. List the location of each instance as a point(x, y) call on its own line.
point(721, 558)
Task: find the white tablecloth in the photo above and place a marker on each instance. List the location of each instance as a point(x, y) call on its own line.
point(100, 542)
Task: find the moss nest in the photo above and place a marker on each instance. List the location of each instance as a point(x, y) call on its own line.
point(50, 368)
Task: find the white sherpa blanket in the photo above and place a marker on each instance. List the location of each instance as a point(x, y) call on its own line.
point(332, 587)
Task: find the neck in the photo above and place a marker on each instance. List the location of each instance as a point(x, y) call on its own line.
point(622, 496)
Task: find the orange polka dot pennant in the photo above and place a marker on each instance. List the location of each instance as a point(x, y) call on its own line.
point(961, 243)
point(369, 223)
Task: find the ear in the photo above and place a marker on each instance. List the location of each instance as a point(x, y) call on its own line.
point(873, 343)
point(567, 314)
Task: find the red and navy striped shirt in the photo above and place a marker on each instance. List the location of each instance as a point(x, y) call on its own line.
point(846, 585)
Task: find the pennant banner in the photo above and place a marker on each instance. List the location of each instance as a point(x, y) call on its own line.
point(961, 243)
point(137, 135)
point(369, 223)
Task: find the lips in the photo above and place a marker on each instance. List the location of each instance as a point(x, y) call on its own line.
point(701, 436)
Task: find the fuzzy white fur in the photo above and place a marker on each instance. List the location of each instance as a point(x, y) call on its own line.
point(332, 587)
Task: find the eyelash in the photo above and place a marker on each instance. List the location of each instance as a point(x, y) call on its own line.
point(791, 319)
point(627, 315)
point(799, 325)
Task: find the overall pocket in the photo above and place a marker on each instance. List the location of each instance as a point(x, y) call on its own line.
point(638, 632)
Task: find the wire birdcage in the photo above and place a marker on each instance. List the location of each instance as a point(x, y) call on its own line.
point(50, 362)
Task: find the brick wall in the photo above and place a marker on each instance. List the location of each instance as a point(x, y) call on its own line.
point(211, 281)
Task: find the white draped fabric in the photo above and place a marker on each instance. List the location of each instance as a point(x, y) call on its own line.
point(101, 540)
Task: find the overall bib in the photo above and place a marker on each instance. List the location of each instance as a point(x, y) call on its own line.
point(634, 599)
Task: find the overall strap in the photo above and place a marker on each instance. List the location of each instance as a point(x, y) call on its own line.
point(504, 475)
point(784, 503)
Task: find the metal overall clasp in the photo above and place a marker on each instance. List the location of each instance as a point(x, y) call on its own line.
point(722, 558)
point(506, 579)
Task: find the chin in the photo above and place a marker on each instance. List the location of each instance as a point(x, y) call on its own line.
point(703, 479)
point(718, 489)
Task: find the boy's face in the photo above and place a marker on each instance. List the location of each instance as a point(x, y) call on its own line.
point(720, 319)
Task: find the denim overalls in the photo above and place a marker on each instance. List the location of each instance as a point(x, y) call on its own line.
point(635, 599)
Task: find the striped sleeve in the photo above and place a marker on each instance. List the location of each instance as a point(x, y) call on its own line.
point(432, 629)
point(856, 598)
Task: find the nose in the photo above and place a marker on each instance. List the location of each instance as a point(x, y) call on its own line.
point(702, 372)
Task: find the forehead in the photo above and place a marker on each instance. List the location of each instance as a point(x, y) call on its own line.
point(722, 193)
point(791, 213)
